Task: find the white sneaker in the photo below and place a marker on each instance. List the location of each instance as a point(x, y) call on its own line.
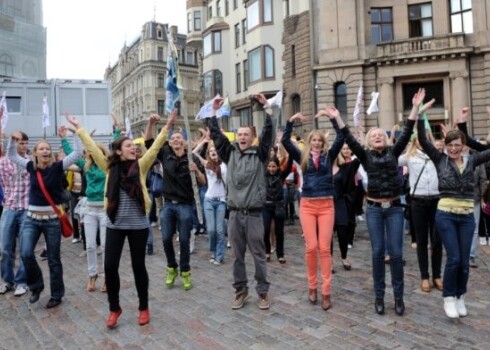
point(228, 244)
point(483, 240)
point(5, 288)
point(192, 241)
point(360, 218)
point(20, 290)
point(349, 246)
point(450, 307)
point(461, 307)
point(75, 240)
point(154, 224)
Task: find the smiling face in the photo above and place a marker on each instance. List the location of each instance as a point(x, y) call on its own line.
point(272, 167)
point(212, 154)
point(346, 152)
point(177, 141)
point(316, 141)
point(376, 139)
point(454, 144)
point(127, 150)
point(244, 137)
point(43, 154)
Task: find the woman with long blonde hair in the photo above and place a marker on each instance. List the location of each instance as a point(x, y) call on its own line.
point(317, 207)
point(41, 218)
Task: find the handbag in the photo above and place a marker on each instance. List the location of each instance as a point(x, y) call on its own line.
point(156, 184)
point(65, 223)
point(407, 213)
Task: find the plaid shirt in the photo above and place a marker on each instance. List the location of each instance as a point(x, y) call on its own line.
point(15, 182)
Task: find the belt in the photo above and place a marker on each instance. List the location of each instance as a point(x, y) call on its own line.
point(385, 205)
point(214, 198)
point(424, 198)
point(41, 217)
point(253, 212)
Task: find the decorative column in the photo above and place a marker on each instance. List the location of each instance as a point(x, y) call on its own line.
point(459, 92)
point(386, 101)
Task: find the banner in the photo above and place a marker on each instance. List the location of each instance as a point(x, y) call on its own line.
point(206, 111)
point(45, 113)
point(373, 107)
point(357, 109)
point(5, 116)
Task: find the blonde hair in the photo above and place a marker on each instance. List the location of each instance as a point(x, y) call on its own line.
point(368, 136)
point(90, 160)
point(305, 155)
point(34, 153)
point(141, 148)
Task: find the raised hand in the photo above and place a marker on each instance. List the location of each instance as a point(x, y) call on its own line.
point(298, 116)
point(260, 98)
point(62, 131)
point(217, 103)
point(418, 98)
point(463, 115)
point(427, 106)
point(73, 121)
point(154, 118)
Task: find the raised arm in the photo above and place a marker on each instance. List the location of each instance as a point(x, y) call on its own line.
point(13, 155)
point(196, 151)
point(266, 136)
point(338, 124)
point(65, 145)
point(149, 157)
point(292, 150)
point(462, 126)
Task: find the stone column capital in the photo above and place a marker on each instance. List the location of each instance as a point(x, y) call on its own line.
point(387, 80)
point(458, 74)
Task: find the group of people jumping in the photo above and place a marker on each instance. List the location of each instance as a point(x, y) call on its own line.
point(247, 184)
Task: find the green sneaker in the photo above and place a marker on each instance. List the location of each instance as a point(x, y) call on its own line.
point(186, 280)
point(172, 274)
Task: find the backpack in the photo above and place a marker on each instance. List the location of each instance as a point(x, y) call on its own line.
point(156, 184)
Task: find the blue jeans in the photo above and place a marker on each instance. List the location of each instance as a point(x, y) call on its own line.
point(456, 232)
point(12, 226)
point(31, 232)
point(175, 216)
point(379, 222)
point(214, 211)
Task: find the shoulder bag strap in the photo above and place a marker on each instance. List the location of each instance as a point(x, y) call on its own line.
point(46, 194)
point(417, 182)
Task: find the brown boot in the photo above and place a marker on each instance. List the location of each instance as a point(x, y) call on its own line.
point(326, 303)
point(437, 283)
point(425, 286)
point(312, 296)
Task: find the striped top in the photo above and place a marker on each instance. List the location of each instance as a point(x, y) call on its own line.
point(129, 215)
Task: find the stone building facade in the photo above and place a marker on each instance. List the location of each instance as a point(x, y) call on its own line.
point(138, 78)
point(394, 47)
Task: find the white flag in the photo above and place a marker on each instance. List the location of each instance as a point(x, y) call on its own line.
point(357, 109)
point(276, 100)
point(45, 113)
point(5, 116)
point(128, 128)
point(373, 107)
point(206, 111)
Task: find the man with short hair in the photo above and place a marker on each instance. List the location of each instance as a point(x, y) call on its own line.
point(15, 182)
point(246, 196)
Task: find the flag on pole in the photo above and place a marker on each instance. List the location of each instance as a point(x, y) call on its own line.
point(3, 105)
point(172, 94)
point(128, 128)
point(45, 113)
point(373, 107)
point(206, 111)
point(276, 100)
point(357, 109)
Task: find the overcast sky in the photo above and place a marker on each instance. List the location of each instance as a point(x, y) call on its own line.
point(84, 36)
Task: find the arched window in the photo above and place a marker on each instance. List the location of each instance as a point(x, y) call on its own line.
point(341, 98)
point(6, 65)
point(296, 103)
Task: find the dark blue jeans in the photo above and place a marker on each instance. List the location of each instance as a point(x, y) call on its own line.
point(456, 232)
point(175, 216)
point(385, 227)
point(31, 231)
point(12, 228)
point(269, 214)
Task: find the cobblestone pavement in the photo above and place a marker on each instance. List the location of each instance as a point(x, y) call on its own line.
point(202, 318)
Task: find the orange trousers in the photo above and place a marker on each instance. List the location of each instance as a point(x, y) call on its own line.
point(317, 219)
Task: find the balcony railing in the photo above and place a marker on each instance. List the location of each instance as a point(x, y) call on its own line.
point(415, 47)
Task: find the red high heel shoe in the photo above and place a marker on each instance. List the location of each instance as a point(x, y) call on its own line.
point(113, 317)
point(144, 317)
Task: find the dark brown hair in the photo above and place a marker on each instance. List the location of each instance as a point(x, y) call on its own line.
point(455, 135)
point(116, 145)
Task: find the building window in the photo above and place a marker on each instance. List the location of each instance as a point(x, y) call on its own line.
point(461, 16)
point(237, 35)
point(227, 7)
point(160, 53)
point(210, 12)
point(213, 84)
point(420, 20)
point(286, 5)
point(189, 58)
point(13, 104)
point(293, 60)
point(341, 98)
point(259, 12)
point(161, 107)
point(238, 77)
point(261, 63)
point(159, 33)
point(189, 22)
point(245, 75)
point(381, 25)
point(434, 89)
point(244, 31)
point(218, 8)
point(6, 65)
point(212, 43)
point(197, 20)
point(245, 116)
point(235, 4)
point(296, 103)
point(161, 80)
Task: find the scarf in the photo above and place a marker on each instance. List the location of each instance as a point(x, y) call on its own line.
point(315, 156)
point(123, 176)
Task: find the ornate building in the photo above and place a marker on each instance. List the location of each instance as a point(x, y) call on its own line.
point(138, 77)
point(394, 47)
point(22, 39)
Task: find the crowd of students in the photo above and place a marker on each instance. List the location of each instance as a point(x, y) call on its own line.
point(246, 197)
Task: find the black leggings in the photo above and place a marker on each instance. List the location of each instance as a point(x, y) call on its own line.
point(343, 237)
point(113, 249)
